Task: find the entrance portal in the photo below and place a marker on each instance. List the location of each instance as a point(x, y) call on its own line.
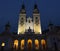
point(22, 44)
point(29, 45)
point(43, 43)
point(16, 44)
point(36, 44)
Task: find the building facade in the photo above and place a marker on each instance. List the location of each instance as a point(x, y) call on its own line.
point(29, 22)
point(30, 36)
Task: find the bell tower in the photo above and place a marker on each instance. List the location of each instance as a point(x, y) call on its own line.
point(22, 20)
point(36, 19)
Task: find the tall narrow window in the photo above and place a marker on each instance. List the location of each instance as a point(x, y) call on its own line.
point(22, 21)
point(36, 44)
point(43, 43)
point(29, 44)
point(16, 44)
point(36, 20)
point(22, 44)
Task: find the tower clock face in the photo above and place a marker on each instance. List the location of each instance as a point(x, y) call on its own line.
point(22, 21)
point(36, 20)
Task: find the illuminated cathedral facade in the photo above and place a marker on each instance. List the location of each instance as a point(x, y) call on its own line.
point(32, 23)
point(29, 35)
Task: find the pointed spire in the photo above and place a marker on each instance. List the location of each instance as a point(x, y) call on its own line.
point(35, 6)
point(23, 7)
point(7, 26)
point(35, 9)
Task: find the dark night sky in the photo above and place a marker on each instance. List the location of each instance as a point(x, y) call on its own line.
point(9, 11)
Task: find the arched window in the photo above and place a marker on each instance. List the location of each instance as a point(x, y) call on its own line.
point(16, 44)
point(36, 44)
point(43, 43)
point(22, 44)
point(29, 44)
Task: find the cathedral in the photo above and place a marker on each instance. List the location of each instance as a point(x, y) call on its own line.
point(32, 23)
point(30, 35)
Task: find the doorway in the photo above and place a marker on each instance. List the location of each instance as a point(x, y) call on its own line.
point(29, 44)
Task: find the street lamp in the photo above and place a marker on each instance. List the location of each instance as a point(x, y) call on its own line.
point(2, 46)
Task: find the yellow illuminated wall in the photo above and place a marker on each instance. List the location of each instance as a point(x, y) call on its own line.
point(21, 26)
point(22, 44)
point(36, 44)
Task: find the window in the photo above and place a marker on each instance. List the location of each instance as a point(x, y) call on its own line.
point(36, 44)
point(43, 43)
point(16, 44)
point(36, 20)
point(36, 17)
point(22, 19)
point(29, 44)
point(22, 44)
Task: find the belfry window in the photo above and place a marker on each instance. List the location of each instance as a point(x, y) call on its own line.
point(22, 21)
point(36, 20)
point(36, 17)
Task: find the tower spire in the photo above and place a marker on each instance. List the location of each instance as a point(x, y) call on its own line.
point(23, 8)
point(35, 9)
point(35, 6)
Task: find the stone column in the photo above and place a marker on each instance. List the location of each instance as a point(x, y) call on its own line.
point(19, 45)
point(39, 44)
point(25, 47)
point(33, 44)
